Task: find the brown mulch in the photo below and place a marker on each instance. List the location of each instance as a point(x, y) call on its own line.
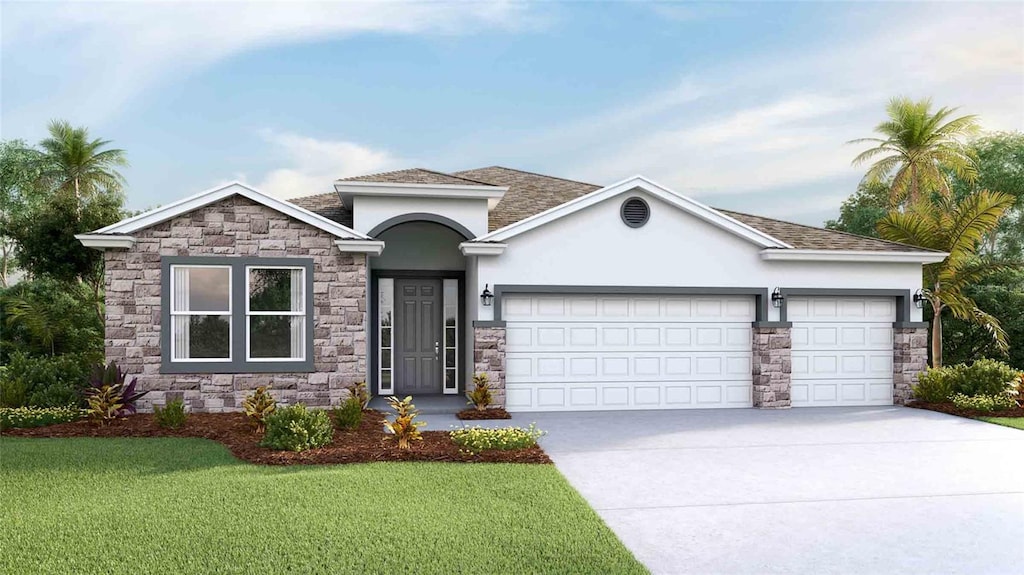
point(972, 413)
point(489, 413)
point(367, 443)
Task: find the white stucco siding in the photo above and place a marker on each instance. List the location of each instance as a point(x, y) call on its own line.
point(594, 247)
point(369, 211)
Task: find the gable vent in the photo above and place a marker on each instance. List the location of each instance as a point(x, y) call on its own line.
point(635, 212)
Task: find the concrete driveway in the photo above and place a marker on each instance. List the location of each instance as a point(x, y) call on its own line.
point(823, 490)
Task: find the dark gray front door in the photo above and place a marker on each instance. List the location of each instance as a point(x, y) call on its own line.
point(418, 336)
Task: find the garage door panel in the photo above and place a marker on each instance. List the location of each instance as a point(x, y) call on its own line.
point(835, 309)
point(842, 365)
point(578, 352)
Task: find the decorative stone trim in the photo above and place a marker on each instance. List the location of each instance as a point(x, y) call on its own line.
point(236, 226)
point(489, 358)
point(909, 358)
point(772, 367)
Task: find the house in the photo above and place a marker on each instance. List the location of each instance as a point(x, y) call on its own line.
point(570, 296)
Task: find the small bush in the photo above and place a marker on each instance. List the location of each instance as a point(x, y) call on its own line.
point(13, 392)
point(480, 397)
point(359, 391)
point(477, 439)
point(934, 385)
point(49, 381)
point(1018, 386)
point(349, 414)
point(983, 402)
point(258, 406)
point(172, 416)
point(11, 417)
point(296, 428)
point(404, 428)
point(111, 393)
point(983, 377)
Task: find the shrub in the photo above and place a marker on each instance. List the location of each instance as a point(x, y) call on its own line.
point(258, 406)
point(983, 377)
point(934, 385)
point(480, 397)
point(477, 439)
point(404, 428)
point(359, 391)
point(13, 392)
point(172, 416)
point(349, 414)
point(11, 417)
point(984, 402)
point(296, 428)
point(1019, 388)
point(111, 393)
point(48, 381)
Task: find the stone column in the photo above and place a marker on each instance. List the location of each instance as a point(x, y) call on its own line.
point(489, 358)
point(772, 367)
point(909, 358)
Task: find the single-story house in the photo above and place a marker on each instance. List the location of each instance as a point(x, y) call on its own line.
point(569, 296)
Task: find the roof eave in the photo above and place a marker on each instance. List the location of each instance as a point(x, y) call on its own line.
point(921, 257)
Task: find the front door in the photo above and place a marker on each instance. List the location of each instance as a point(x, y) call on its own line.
point(418, 337)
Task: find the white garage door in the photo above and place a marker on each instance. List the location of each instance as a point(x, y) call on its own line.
point(842, 350)
point(590, 352)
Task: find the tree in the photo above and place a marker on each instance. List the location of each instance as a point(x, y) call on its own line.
point(917, 149)
point(861, 212)
point(20, 191)
point(79, 165)
point(1000, 169)
point(1002, 295)
point(955, 226)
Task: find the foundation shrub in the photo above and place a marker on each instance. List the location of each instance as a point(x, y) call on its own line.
point(297, 428)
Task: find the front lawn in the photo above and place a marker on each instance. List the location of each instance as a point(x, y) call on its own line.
point(1015, 422)
point(172, 505)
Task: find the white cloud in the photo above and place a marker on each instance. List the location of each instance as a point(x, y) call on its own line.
point(314, 164)
point(100, 56)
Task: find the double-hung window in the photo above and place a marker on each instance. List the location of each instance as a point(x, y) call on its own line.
point(236, 315)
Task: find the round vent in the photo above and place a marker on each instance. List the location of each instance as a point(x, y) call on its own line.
point(635, 212)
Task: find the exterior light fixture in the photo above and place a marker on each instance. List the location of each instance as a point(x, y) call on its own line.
point(919, 299)
point(486, 297)
point(777, 298)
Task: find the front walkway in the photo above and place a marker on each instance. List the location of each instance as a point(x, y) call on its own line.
point(823, 490)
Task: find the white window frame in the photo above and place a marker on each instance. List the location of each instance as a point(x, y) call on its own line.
point(249, 314)
point(450, 345)
point(390, 390)
point(228, 314)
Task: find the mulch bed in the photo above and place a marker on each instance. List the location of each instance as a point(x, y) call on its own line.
point(972, 413)
point(489, 413)
point(367, 443)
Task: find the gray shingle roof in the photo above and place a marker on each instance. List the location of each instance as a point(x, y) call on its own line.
point(529, 194)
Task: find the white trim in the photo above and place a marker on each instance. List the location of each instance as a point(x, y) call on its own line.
point(670, 197)
point(102, 242)
point(921, 257)
point(475, 248)
point(218, 193)
point(347, 189)
point(249, 314)
point(454, 344)
point(380, 339)
point(172, 314)
point(371, 247)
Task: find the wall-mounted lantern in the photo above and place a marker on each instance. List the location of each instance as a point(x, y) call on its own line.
point(777, 298)
point(486, 297)
point(919, 299)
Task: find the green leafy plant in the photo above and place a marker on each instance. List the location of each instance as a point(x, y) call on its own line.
point(983, 377)
point(258, 406)
point(47, 381)
point(111, 393)
point(1018, 387)
point(349, 414)
point(480, 397)
point(172, 416)
point(404, 428)
point(477, 439)
point(934, 385)
point(13, 392)
point(984, 402)
point(360, 392)
point(296, 428)
point(21, 417)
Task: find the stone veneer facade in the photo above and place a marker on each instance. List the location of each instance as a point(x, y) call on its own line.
point(237, 226)
point(772, 367)
point(909, 358)
point(489, 358)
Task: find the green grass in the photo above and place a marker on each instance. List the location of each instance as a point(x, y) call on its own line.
point(186, 505)
point(1015, 422)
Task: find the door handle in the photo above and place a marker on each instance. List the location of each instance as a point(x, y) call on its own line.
point(437, 351)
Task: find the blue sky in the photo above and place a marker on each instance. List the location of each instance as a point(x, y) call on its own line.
point(744, 106)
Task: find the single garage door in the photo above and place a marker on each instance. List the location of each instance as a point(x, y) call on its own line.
point(842, 350)
point(592, 352)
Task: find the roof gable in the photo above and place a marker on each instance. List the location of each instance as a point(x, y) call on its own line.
point(189, 204)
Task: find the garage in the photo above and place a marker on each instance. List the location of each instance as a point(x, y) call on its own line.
point(578, 352)
point(842, 350)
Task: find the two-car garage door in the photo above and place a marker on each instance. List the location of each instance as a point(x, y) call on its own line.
point(594, 352)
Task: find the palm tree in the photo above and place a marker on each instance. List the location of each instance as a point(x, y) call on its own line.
point(917, 147)
point(957, 227)
point(76, 163)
